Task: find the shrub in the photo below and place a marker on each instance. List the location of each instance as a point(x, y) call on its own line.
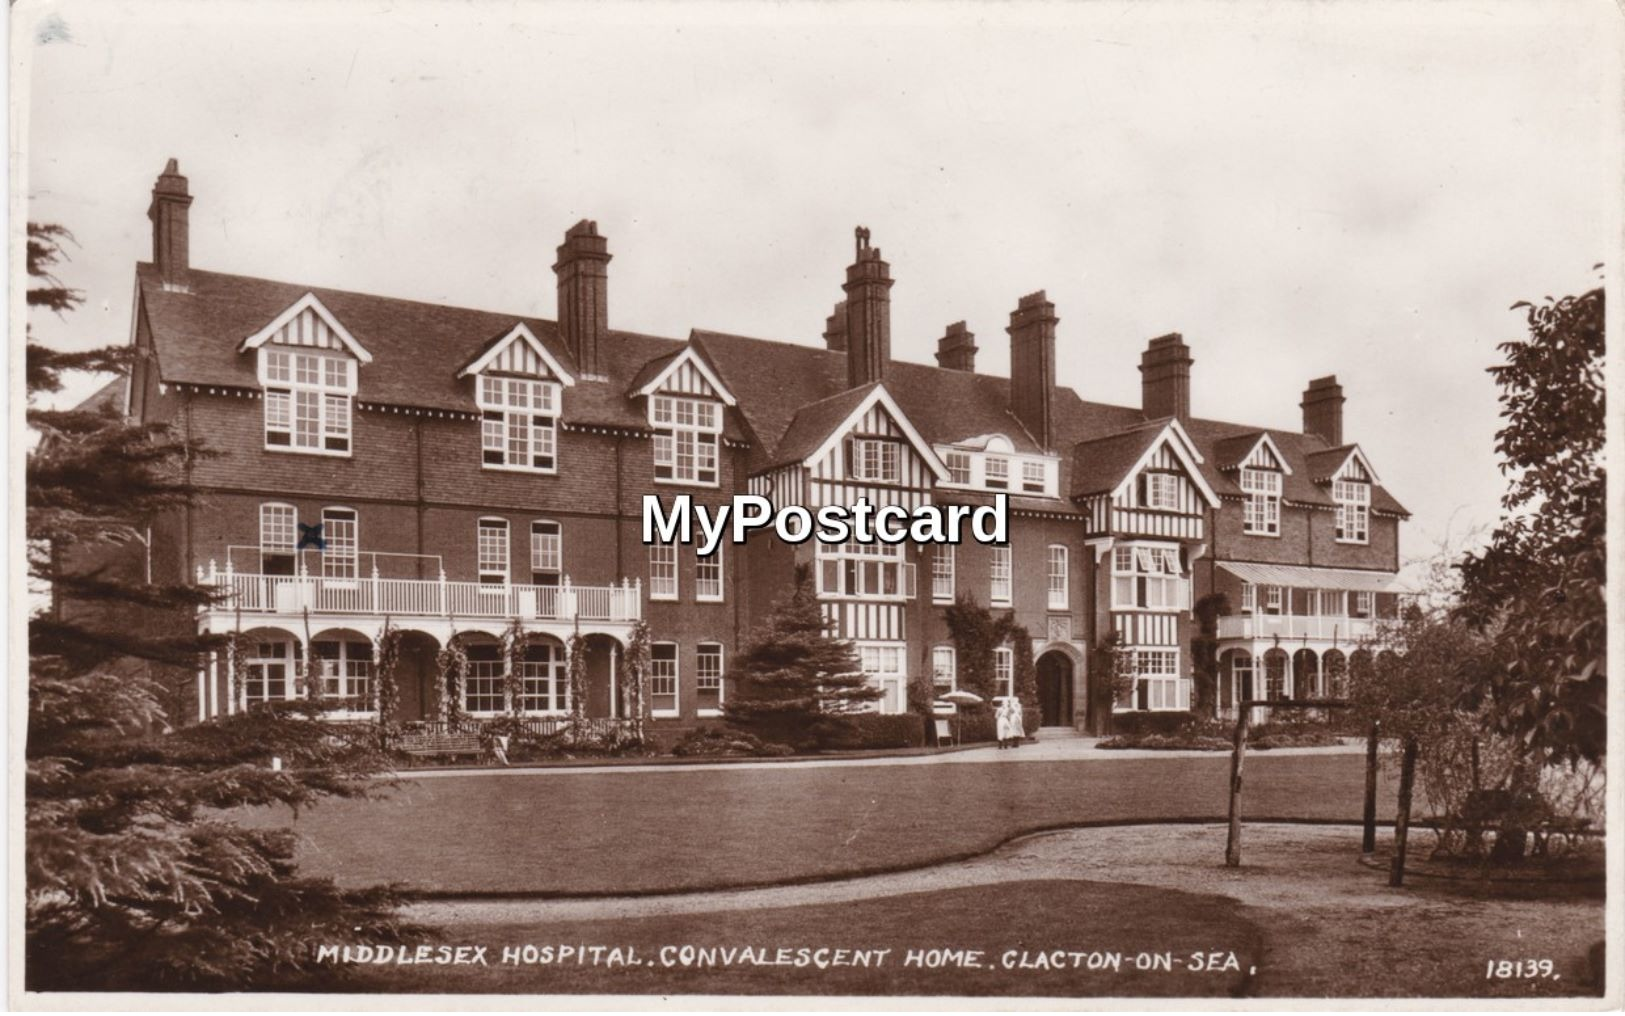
point(1131, 724)
point(720, 742)
point(1167, 742)
point(876, 730)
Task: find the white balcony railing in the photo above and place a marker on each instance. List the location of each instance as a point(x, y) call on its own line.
point(1288, 626)
point(291, 594)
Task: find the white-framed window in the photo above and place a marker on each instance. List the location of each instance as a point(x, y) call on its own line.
point(708, 576)
point(1157, 685)
point(944, 670)
point(1004, 670)
point(958, 464)
point(996, 472)
point(1261, 513)
point(346, 669)
point(662, 571)
point(876, 460)
point(1249, 598)
point(686, 438)
point(1353, 511)
point(279, 525)
point(663, 679)
point(546, 552)
point(1328, 603)
point(518, 423)
point(708, 688)
point(870, 570)
point(999, 591)
point(307, 401)
point(883, 665)
point(1241, 669)
point(1149, 577)
point(483, 691)
point(1365, 604)
point(1058, 581)
point(341, 543)
point(544, 679)
point(1032, 477)
point(491, 551)
point(1161, 491)
point(268, 672)
point(1273, 599)
point(942, 573)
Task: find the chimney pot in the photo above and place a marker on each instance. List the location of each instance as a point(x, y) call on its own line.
point(1165, 378)
point(956, 350)
point(835, 329)
point(582, 269)
point(1323, 410)
point(868, 314)
point(1032, 365)
point(171, 232)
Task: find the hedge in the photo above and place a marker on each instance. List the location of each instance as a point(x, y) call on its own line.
point(882, 730)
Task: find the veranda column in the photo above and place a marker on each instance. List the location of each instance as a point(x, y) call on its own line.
point(614, 680)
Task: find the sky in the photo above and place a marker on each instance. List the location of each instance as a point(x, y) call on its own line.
point(1300, 189)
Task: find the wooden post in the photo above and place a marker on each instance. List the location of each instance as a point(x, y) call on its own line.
point(1368, 842)
point(1402, 821)
point(1232, 847)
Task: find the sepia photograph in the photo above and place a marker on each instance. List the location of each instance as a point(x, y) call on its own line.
point(1063, 505)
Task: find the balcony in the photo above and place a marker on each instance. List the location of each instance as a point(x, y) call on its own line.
point(1288, 626)
point(373, 596)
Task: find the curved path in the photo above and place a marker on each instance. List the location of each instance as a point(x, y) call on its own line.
point(613, 830)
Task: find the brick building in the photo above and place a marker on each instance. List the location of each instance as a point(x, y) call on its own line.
point(466, 468)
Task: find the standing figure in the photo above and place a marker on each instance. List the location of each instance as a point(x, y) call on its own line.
point(1002, 722)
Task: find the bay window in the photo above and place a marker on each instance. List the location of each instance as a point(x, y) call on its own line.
point(875, 570)
point(685, 441)
point(307, 401)
point(883, 665)
point(518, 423)
point(1261, 515)
point(1157, 685)
point(1149, 577)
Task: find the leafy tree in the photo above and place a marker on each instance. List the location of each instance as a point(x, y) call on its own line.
point(1538, 587)
point(1205, 652)
point(137, 877)
point(797, 684)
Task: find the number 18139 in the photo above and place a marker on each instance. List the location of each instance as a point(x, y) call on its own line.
point(1501, 970)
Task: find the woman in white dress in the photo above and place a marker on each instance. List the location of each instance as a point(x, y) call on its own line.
point(1003, 722)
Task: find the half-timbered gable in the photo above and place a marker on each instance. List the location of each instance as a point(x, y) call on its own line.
point(1143, 482)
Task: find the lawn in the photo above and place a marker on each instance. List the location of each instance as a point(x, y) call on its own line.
point(1027, 938)
point(558, 832)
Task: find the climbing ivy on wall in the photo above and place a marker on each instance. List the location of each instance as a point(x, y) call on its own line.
point(452, 665)
point(514, 641)
point(577, 674)
point(635, 677)
point(385, 692)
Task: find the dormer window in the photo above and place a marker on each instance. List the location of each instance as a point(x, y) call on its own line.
point(997, 472)
point(1353, 510)
point(1262, 511)
point(958, 464)
point(307, 401)
point(1032, 477)
point(876, 460)
point(519, 423)
point(686, 436)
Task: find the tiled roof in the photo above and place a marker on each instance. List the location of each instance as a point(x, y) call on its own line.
point(108, 396)
point(786, 391)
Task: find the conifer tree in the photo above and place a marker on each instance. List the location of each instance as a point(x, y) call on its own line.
point(798, 685)
point(137, 877)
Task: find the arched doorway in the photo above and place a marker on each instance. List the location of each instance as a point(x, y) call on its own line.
point(1054, 689)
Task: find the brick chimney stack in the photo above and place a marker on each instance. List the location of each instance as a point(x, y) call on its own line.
point(1323, 410)
point(1032, 365)
point(835, 329)
point(583, 272)
point(868, 314)
point(171, 236)
point(956, 350)
point(1165, 378)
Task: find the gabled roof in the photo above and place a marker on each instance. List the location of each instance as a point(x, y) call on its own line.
point(816, 428)
point(1233, 451)
point(1325, 466)
point(311, 303)
point(656, 371)
point(110, 396)
point(1106, 465)
point(521, 334)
